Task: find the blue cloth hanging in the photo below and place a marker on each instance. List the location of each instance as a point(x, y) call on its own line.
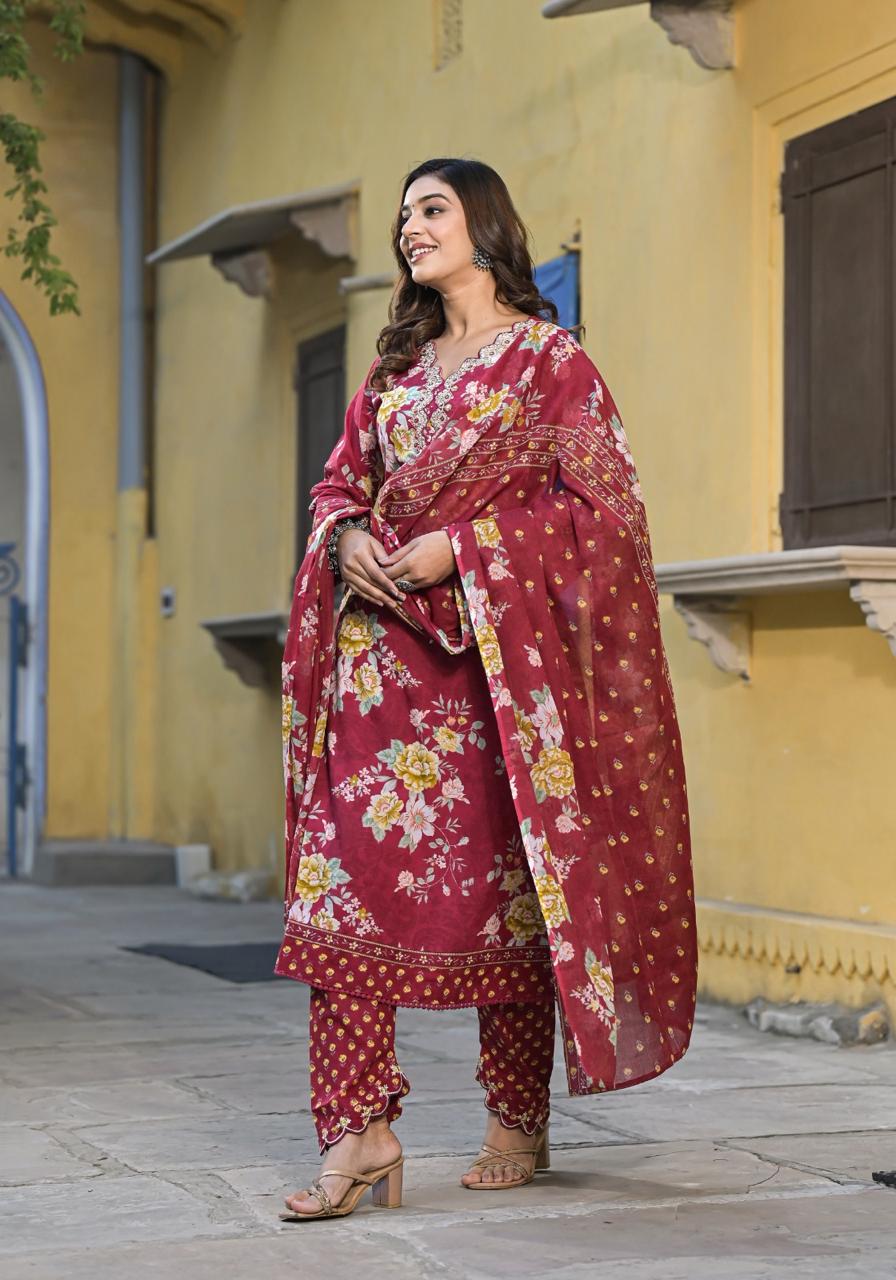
point(558, 279)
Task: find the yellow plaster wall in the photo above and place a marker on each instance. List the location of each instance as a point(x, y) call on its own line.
point(672, 171)
point(225, 505)
point(79, 360)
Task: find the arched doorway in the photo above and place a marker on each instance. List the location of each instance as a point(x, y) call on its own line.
point(24, 539)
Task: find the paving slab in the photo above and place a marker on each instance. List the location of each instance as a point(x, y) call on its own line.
point(771, 1063)
point(337, 1251)
point(134, 1101)
point(147, 1104)
point(33, 1156)
point(208, 1143)
point(278, 1091)
point(47, 1033)
point(156, 1059)
point(844, 1156)
point(220, 998)
point(745, 1112)
point(113, 1210)
point(788, 1226)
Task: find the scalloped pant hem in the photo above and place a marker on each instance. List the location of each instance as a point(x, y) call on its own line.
point(388, 1106)
point(355, 1077)
point(516, 1060)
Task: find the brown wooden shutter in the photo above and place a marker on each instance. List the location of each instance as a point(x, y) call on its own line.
point(838, 201)
point(320, 390)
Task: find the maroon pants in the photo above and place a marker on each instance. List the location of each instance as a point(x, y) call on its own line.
point(355, 1075)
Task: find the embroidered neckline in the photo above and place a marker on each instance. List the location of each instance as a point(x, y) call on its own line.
point(501, 340)
point(428, 411)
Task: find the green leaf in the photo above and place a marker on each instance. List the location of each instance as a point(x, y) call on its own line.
point(29, 236)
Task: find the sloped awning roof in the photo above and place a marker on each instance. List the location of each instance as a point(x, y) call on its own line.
point(566, 8)
point(238, 239)
point(323, 215)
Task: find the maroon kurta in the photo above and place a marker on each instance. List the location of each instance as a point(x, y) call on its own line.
point(485, 792)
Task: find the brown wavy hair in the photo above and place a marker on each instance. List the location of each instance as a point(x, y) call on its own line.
point(416, 313)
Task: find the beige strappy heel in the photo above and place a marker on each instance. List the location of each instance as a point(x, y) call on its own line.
point(493, 1158)
point(385, 1184)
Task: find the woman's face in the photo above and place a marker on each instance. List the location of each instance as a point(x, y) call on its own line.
point(434, 223)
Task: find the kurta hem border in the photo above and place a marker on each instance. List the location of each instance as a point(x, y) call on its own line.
point(422, 980)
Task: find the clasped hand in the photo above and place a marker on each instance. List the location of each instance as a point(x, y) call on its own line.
point(369, 569)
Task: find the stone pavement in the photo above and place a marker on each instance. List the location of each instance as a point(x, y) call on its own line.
point(152, 1117)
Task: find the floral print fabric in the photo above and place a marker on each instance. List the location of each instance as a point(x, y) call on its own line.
point(485, 787)
point(412, 863)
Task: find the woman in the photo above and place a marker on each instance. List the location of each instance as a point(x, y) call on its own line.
point(485, 791)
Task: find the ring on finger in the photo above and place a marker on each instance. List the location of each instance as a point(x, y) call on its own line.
point(404, 585)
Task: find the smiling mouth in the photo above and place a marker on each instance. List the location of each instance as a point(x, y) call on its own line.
point(421, 253)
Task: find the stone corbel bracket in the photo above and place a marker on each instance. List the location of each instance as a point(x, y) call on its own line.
point(713, 595)
point(331, 225)
point(251, 269)
point(706, 30)
point(725, 629)
point(878, 603)
point(704, 27)
point(251, 645)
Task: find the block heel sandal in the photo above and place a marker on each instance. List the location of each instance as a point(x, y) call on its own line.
point(384, 1183)
point(493, 1158)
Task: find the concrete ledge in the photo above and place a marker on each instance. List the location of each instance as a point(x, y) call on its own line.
point(71, 863)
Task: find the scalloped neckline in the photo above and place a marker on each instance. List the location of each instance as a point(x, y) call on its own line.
point(468, 362)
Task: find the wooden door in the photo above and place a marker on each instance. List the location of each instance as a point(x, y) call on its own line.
point(321, 403)
point(839, 434)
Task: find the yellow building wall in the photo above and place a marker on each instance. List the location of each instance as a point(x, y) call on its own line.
point(672, 171)
point(79, 360)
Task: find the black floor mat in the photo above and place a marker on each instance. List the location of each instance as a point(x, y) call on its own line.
point(237, 962)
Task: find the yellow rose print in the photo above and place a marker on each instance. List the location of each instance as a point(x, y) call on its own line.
point(524, 918)
point(355, 633)
point(313, 879)
point(288, 704)
point(391, 401)
point(509, 412)
point(525, 729)
point(601, 977)
point(417, 767)
point(383, 811)
point(317, 748)
point(403, 442)
point(485, 408)
point(449, 739)
point(552, 901)
point(489, 649)
point(367, 682)
point(487, 532)
point(538, 335)
point(552, 773)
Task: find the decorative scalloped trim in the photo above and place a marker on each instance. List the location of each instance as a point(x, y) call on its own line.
point(389, 1103)
point(817, 943)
